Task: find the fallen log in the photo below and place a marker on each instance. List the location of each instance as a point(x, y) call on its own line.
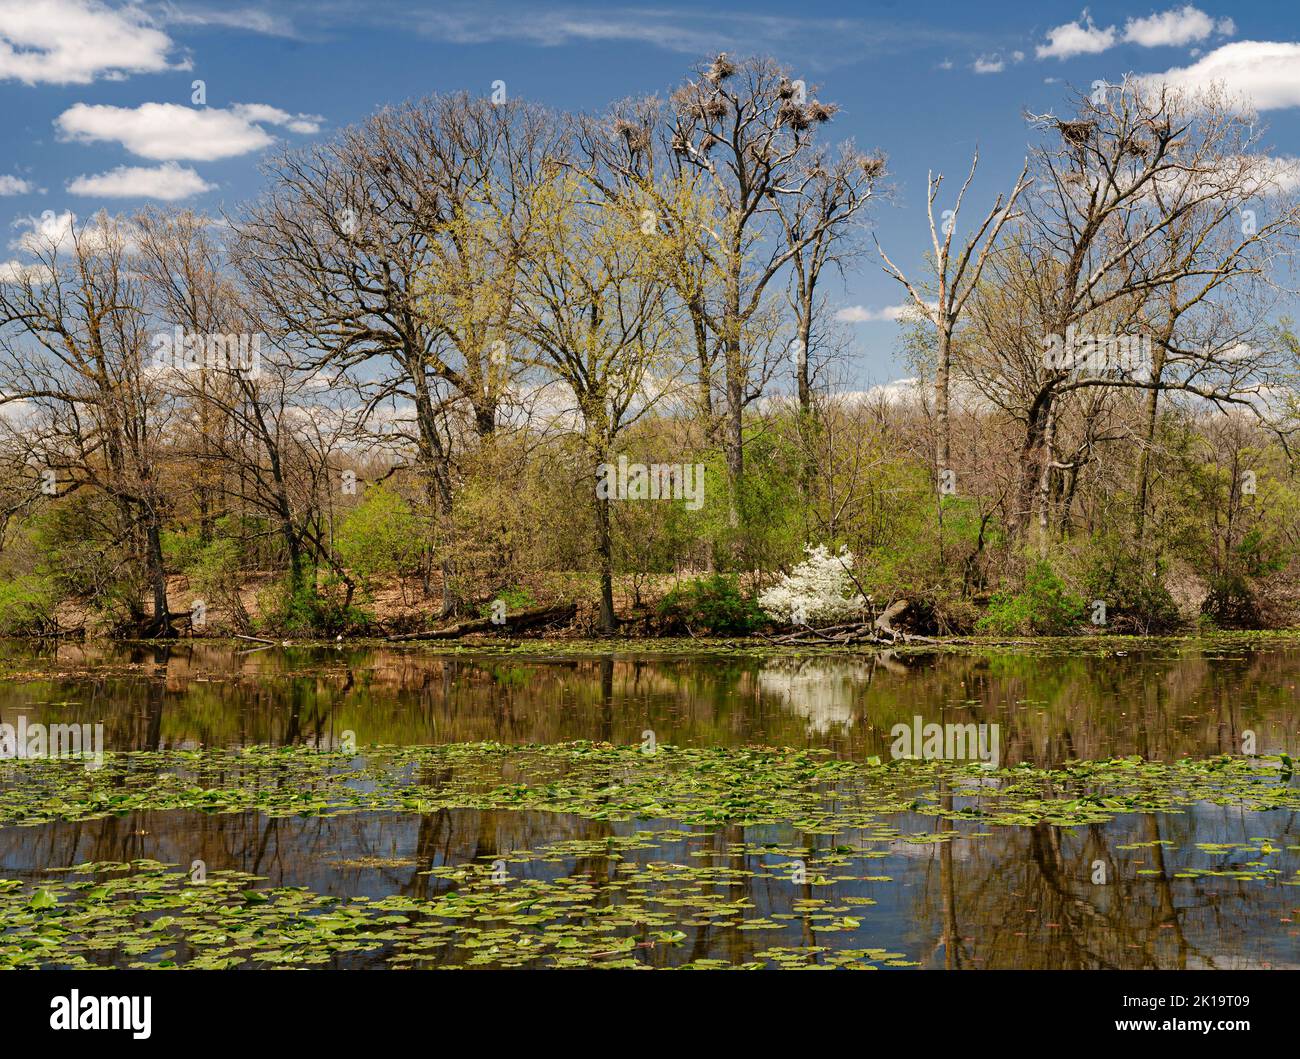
point(885, 622)
point(881, 630)
point(560, 614)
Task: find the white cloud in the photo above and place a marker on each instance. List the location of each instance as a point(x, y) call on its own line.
point(701, 30)
point(12, 185)
point(983, 65)
point(1281, 176)
point(246, 18)
point(54, 232)
point(49, 228)
point(264, 114)
point(169, 131)
point(168, 182)
point(859, 314)
point(1076, 38)
point(1266, 73)
point(73, 42)
point(900, 391)
point(1176, 27)
point(17, 272)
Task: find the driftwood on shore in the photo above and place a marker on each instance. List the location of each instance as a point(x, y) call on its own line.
point(560, 614)
point(881, 630)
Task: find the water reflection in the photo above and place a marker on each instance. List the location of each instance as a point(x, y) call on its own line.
point(1008, 897)
point(1015, 898)
point(1163, 704)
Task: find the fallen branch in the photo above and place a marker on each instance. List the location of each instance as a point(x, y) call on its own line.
point(255, 639)
point(560, 614)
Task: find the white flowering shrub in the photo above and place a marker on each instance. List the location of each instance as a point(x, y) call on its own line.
point(818, 589)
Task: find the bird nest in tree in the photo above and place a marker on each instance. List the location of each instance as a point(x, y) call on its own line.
point(720, 69)
point(637, 136)
point(1077, 132)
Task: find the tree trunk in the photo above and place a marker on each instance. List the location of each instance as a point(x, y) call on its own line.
point(161, 625)
point(735, 367)
point(1027, 474)
point(942, 448)
point(1150, 415)
point(1045, 480)
point(605, 550)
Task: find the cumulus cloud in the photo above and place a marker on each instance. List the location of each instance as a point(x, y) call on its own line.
point(169, 131)
point(984, 65)
point(1279, 175)
point(18, 272)
point(168, 182)
point(264, 114)
point(54, 232)
point(75, 42)
point(1080, 37)
point(859, 314)
point(1265, 73)
point(1177, 27)
point(12, 185)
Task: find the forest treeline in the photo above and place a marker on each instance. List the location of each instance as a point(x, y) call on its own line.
point(499, 356)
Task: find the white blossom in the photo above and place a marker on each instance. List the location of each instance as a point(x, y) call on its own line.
point(819, 589)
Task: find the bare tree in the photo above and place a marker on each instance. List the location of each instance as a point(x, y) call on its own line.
point(955, 280)
point(76, 356)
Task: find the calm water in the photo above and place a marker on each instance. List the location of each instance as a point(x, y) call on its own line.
point(1012, 897)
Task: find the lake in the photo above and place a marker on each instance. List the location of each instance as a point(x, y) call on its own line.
point(551, 806)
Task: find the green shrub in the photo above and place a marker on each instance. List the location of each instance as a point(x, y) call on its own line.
point(1136, 598)
point(1231, 603)
point(380, 537)
point(181, 548)
point(713, 605)
point(514, 597)
point(310, 611)
point(1044, 607)
point(27, 606)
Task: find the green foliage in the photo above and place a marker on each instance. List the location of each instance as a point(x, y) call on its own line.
point(711, 604)
point(27, 606)
point(769, 530)
point(213, 566)
point(182, 548)
point(78, 545)
point(515, 597)
point(380, 537)
point(308, 610)
point(1231, 603)
point(906, 559)
point(1044, 607)
point(1136, 598)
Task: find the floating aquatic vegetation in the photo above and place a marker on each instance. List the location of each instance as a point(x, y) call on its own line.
point(795, 823)
point(807, 789)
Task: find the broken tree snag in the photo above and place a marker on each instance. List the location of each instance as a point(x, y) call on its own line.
point(884, 622)
point(560, 614)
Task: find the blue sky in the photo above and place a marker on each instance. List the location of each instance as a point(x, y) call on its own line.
point(98, 111)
